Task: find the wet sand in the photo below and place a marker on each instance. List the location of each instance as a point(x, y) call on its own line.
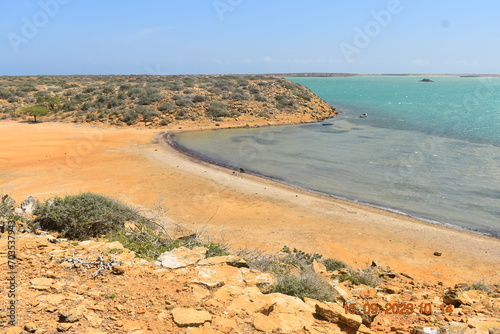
point(135, 166)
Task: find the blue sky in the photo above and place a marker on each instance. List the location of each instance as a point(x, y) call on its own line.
point(248, 36)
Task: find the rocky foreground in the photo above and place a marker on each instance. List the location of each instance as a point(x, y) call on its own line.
point(100, 287)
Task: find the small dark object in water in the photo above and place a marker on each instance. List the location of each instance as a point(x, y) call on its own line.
point(242, 170)
point(426, 80)
point(363, 115)
point(325, 124)
point(438, 253)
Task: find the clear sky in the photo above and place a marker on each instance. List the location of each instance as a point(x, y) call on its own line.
point(248, 36)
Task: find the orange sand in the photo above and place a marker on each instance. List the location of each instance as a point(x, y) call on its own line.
point(50, 159)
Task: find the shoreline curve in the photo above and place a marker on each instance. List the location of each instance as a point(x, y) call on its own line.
point(168, 137)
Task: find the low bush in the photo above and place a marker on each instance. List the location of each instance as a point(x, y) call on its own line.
point(480, 285)
point(150, 242)
point(217, 109)
point(361, 276)
point(183, 103)
point(308, 284)
point(333, 264)
point(167, 106)
point(199, 98)
point(130, 117)
point(85, 215)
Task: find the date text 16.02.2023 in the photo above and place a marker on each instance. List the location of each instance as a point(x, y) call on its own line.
point(395, 308)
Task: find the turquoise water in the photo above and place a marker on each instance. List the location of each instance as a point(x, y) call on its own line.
point(431, 150)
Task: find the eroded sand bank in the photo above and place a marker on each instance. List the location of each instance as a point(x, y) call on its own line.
point(50, 159)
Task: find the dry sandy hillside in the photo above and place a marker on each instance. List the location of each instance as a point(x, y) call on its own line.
point(161, 100)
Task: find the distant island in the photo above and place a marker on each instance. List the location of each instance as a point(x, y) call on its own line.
point(426, 80)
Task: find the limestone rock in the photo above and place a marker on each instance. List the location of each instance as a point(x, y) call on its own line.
point(483, 324)
point(69, 316)
point(216, 276)
point(364, 330)
point(29, 205)
point(364, 292)
point(182, 257)
point(53, 299)
point(14, 330)
point(58, 255)
point(118, 270)
point(319, 268)
point(455, 327)
point(456, 298)
point(289, 304)
point(264, 281)
point(189, 317)
point(232, 260)
point(199, 292)
point(311, 302)
point(52, 239)
point(323, 328)
point(64, 327)
point(291, 314)
point(42, 283)
point(343, 291)
point(252, 303)
point(424, 330)
point(380, 266)
point(335, 313)
point(30, 327)
point(225, 325)
point(264, 324)
point(392, 289)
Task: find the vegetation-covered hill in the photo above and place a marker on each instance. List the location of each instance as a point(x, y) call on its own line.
point(159, 100)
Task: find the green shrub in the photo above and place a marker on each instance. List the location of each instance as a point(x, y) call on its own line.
point(130, 117)
point(199, 98)
point(85, 215)
point(182, 114)
point(333, 264)
point(480, 285)
point(91, 117)
point(183, 103)
point(307, 258)
point(167, 106)
point(217, 109)
point(309, 285)
point(361, 276)
point(150, 98)
point(147, 113)
point(240, 96)
point(5, 94)
point(151, 243)
point(165, 122)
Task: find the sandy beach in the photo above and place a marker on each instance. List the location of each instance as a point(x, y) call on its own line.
point(135, 166)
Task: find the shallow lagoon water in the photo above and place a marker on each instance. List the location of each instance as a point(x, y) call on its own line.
point(429, 162)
